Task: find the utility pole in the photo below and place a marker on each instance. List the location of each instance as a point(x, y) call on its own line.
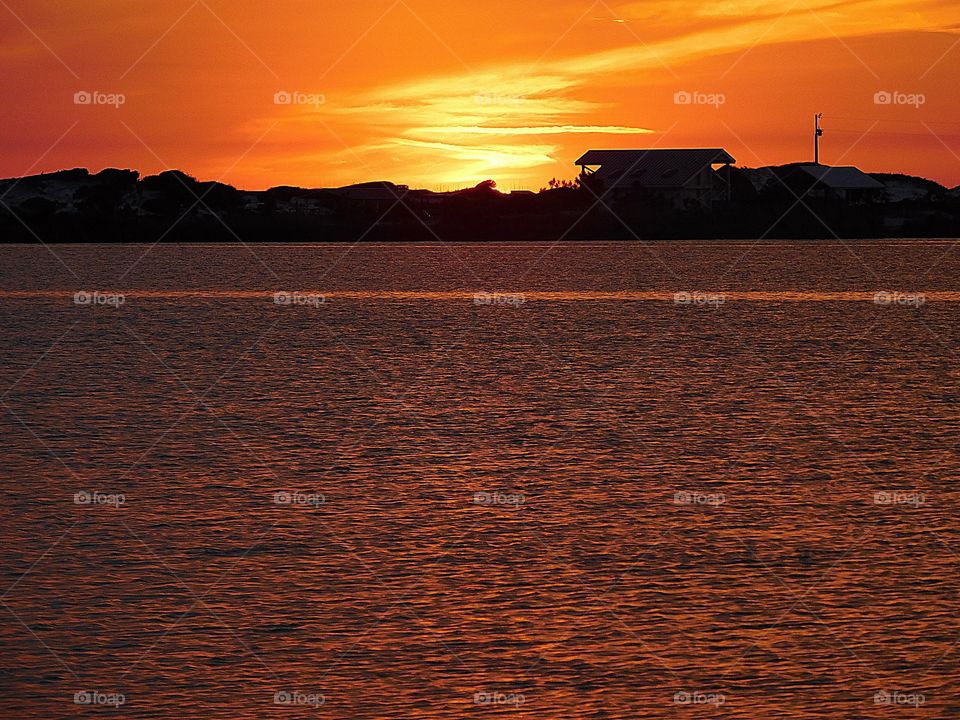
point(817, 134)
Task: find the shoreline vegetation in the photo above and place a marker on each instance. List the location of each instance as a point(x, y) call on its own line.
point(120, 206)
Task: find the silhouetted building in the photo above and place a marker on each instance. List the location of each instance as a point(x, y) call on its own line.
point(680, 177)
point(377, 196)
point(823, 182)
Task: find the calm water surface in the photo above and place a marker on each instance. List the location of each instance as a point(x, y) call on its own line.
point(572, 495)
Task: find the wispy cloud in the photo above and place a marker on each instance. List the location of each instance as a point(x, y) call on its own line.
point(535, 130)
point(513, 99)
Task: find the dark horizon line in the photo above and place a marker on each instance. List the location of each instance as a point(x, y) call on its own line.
point(481, 183)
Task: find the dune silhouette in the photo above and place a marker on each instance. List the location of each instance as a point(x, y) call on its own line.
point(791, 201)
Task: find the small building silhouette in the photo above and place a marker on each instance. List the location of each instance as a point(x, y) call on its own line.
point(823, 182)
point(378, 196)
point(682, 177)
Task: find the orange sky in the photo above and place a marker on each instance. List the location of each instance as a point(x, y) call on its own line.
point(445, 93)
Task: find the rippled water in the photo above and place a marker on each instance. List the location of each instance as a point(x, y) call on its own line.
point(453, 481)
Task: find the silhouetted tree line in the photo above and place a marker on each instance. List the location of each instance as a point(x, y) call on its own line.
point(120, 206)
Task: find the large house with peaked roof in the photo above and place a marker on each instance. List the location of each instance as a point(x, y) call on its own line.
point(682, 177)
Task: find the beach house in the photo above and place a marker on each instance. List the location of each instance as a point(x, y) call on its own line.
point(681, 177)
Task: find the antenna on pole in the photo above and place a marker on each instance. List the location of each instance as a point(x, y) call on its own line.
point(817, 134)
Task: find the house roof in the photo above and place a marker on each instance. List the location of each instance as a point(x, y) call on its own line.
point(654, 167)
point(842, 178)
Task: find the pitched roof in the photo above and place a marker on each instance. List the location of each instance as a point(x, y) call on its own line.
point(654, 167)
point(842, 178)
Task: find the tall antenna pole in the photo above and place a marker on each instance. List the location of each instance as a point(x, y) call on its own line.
point(817, 134)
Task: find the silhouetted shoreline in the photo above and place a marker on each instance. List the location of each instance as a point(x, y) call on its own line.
point(75, 206)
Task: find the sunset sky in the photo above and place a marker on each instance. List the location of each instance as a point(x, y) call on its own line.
point(444, 93)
